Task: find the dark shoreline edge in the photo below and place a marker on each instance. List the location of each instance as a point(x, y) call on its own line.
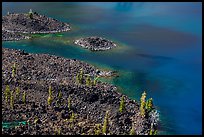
point(12, 36)
point(36, 71)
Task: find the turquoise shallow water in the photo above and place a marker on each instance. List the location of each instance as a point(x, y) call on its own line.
point(159, 51)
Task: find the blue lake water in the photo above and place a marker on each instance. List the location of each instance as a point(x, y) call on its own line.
point(160, 50)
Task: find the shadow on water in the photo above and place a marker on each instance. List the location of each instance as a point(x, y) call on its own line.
point(154, 56)
point(128, 6)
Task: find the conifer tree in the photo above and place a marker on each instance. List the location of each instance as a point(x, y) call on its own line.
point(155, 132)
point(81, 76)
point(88, 81)
point(105, 124)
point(77, 79)
point(142, 103)
point(59, 95)
point(95, 80)
point(69, 103)
point(49, 100)
point(14, 69)
point(11, 100)
point(97, 131)
point(30, 13)
point(24, 97)
point(149, 104)
point(132, 131)
point(122, 104)
point(7, 93)
point(72, 117)
point(17, 93)
point(50, 90)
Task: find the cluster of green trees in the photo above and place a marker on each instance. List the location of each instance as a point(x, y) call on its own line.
point(145, 106)
point(88, 80)
point(50, 98)
point(10, 95)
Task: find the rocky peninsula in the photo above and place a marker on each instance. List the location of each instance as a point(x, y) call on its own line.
point(11, 36)
point(53, 95)
point(95, 43)
point(30, 23)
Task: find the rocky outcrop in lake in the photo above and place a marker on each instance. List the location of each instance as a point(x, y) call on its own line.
point(95, 43)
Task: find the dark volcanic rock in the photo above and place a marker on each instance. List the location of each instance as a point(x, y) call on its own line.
point(36, 72)
point(15, 25)
point(11, 36)
point(95, 43)
point(38, 24)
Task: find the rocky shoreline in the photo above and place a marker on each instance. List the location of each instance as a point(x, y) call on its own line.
point(95, 43)
point(11, 36)
point(81, 108)
point(22, 23)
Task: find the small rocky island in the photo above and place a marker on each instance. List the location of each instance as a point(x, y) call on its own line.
point(51, 95)
point(95, 43)
point(29, 23)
